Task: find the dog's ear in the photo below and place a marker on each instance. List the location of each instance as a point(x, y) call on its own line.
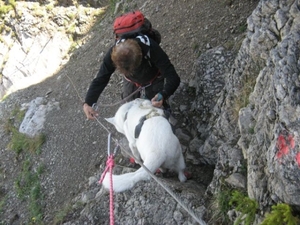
point(111, 120)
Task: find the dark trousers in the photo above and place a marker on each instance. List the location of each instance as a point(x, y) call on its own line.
point(150, 91)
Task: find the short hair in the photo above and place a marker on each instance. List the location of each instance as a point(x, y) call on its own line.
point(127, 56)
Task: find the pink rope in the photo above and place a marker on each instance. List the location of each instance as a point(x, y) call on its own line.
point(109, 166)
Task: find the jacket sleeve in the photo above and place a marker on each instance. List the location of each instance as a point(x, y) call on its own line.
point(99, 83)
point(161, 60)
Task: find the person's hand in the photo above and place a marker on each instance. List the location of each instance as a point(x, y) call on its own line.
point(157, 100)
point(89, 112)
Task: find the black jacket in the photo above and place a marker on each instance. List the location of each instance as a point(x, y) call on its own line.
point(159, 63)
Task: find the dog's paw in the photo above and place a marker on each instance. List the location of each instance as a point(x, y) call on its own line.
point(182, 177)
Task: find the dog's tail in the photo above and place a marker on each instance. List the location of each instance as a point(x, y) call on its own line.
point(126, 181)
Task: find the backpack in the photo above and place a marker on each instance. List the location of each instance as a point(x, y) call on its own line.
point(133, 24)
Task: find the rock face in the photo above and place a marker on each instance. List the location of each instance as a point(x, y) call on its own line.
point(27, 43)
point(273, 150)
point(255, 120)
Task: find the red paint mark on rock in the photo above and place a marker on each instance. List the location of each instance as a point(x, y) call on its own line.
point(283, 148)
point(284, 144)
point(298, 159)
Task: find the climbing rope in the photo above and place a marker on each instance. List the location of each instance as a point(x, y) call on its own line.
point(110, 163)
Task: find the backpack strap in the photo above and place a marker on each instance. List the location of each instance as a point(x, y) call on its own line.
point(145, 40)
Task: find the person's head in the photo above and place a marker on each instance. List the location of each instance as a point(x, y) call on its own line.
point(127, 56)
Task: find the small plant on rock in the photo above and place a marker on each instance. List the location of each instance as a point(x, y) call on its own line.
point(220, 206)
point(281, 214)
point(246, 206)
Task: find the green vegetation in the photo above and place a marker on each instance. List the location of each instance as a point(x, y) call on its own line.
point(59, 217)
point(220, 206)
point(246, 206)
point(251, 130)
point(27, 184)
point(228, 199)
point(112, 5)
point(242, 28)
point(7, 6)
point(242, 99)
point(17, 116)
point(71, 15)
point(232, 199)
point(49, 8)
point(20, 141)
point(281, 214)
point(2, 203)
point(62, 214)
point(247, 84)
point(244, 167)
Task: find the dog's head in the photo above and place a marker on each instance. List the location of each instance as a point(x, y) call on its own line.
point(120, 117)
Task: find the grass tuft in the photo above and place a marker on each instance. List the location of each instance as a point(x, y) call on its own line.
point(220, 206)
point(20, 142)
point(28, 186)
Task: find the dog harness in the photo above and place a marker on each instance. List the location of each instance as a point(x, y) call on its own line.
point(138, 127)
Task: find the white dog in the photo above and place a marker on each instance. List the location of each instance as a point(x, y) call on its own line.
point(150, 138)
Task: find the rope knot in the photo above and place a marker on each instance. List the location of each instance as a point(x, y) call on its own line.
point(110, 163)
